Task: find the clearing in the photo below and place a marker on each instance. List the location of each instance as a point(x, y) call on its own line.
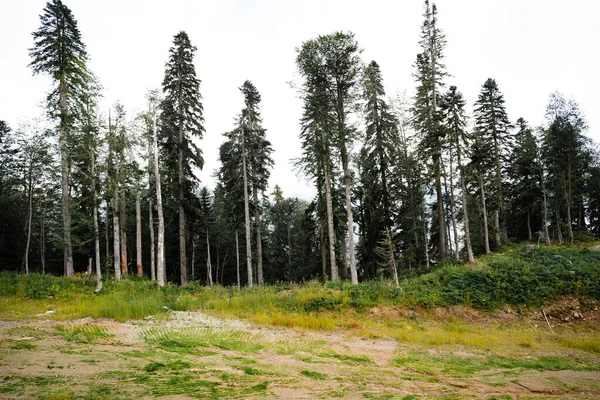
point(442, 353)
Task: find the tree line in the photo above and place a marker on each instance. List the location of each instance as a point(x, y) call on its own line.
point(401, 183)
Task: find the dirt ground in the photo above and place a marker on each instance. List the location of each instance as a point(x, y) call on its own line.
point(193, 355)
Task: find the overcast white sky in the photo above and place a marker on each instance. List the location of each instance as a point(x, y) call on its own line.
point(531, 48)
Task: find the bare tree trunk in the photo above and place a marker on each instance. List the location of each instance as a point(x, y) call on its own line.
point(42, 241)
point(160, 259)
point(209, 279)
point(66, 211)
point(426, 235)
point(392, 257)
point(95, 219)
point(138, 234)
point(116, 250)
point(29, 220)
point(193, 259)
point(344, 249)
point(322, 235)
point(568, 200)
point(353, 272)
point(237, 253)
point(463, 189)
point(246, 211)
point(529, 235)
point(486, 235)
point(453, 211)
point(447, 224)
point(330, 227)
point(152, 244)
point(440, 209)
point(259, 267)
point(497, 227)
point(123, 232)
point(545, 202)
point(106, 225)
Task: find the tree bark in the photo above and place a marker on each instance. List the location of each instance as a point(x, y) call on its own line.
point(65, 172)
point(160, 260)
point(138, 234)
point(453, 211)
point(123, 232)
point(237, 253)
point(116, 250)
point(353, 272)
point(465, 208)
point(246, 210)
point(497, 227)
point(486, 235)
point(30, 212)
point(259, 267)
point(95, 219)
point(152, 243)
point(42, 241)
point(529, 235)
point(545, 202)
point(209, 279)
point(440, 209)
point(330, 227)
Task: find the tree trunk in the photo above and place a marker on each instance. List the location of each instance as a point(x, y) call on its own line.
point(123, 232)
point(237, 253)
point(193, 258)
point(330, 227)
point(138, 234)
point(545, 202)
point(152, 244)
point(42, 241)
point(30, 212)
point(558, 221)
point(116, 250)
point(463, 189)
point(449, 239)
point(106, 225)
point(322, 235)
point(497, 227)
point(486, 235)
point(95, 219)
point(259, 267)
point(568, 201)
point(344, 249)
point(426, 236)
point(440, 209)
point(453, 211)
point(529, 235)
point(160, 260)
point(246, 210)
point(65, 167)
point(209, 279)
point(353, 272)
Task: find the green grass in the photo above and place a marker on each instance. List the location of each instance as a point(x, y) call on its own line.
point(466, 367)
point(83, 334)
point(314, 375)
point(190, 339)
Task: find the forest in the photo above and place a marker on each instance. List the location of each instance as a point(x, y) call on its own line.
point(403, 185)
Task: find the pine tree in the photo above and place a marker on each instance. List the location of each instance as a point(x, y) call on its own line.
point(258, 150)
point(317, 143)
point(525, 190)
point(491, 121)
point(455, 121)
point(182, 122)
point(59, 52)
point(566, 154)
point(429, 75)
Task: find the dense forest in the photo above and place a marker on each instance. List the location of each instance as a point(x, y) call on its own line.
point(402, 184)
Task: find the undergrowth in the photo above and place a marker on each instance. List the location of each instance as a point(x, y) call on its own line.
point(511, 277)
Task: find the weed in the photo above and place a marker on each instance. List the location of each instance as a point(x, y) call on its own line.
point(314, 375)
point(82, 334)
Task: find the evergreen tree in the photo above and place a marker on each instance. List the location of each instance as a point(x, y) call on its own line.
point(454, 122)
point(493, 125)
point(182, 122)
point(380, 146)
point(567, 156)
point(59, 52)
point(525, 189)
point(429, 75)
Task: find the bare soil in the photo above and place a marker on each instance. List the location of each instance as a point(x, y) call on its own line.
point(289, 364)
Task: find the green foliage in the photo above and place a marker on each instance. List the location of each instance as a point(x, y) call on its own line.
point(83, 334)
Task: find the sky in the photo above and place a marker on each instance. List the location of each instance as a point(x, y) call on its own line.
point(530, 47)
